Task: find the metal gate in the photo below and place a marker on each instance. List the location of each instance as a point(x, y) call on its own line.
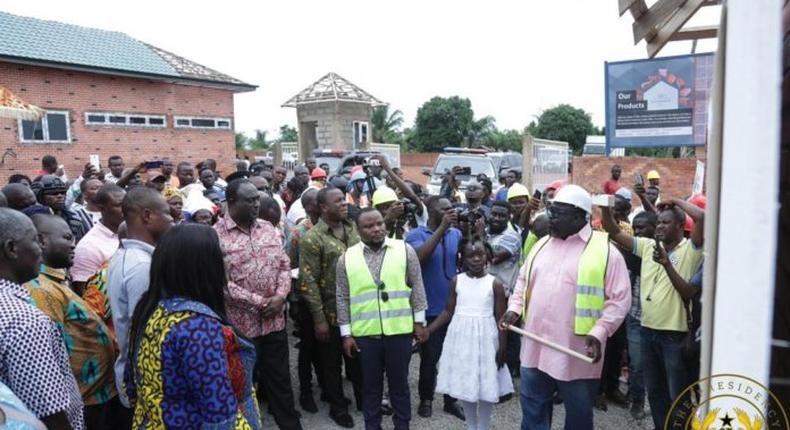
point(550, 159)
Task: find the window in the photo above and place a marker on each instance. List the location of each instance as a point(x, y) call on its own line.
point(51, 128)
point(196, 122)
point(360, 130)
point(124, 119)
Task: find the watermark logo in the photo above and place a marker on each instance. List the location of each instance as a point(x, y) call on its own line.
point(726, 402)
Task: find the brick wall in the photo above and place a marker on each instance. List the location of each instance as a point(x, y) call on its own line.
point(79, 92)
point(412, 163)
point(677, 174)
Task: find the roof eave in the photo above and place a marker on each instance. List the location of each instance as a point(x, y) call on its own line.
point(294, 104)
point(232, 86)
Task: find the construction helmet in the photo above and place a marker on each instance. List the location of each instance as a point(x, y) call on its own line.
point(384, 195)
point(653, 174)
point(517, 190)
point(576, 196)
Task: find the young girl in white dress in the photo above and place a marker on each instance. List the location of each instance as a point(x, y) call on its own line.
point(472, 366)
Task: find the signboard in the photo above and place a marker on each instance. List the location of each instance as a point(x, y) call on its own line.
point(659, 102)
point(699, 179)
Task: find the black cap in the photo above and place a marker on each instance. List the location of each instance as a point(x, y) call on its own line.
point(237, 175)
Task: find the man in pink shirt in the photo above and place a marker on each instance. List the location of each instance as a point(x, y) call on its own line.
point(549, 281)
point(101, 241)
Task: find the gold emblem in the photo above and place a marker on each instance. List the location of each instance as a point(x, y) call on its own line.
point(726, 402)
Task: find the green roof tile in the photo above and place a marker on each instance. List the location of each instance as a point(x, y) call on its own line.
point(55, 42)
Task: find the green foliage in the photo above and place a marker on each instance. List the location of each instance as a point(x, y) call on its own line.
point(386, 124)
point(241, 141)
point(288, 134)
point(259, 141)
point(443, 122)
point(504, 140)
point(564, 123)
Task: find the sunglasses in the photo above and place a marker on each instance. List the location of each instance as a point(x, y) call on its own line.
point(555, 212)
point(384, 296)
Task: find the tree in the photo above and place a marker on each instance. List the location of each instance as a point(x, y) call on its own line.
point(241, 142)
point(443, 122)
point(504, 140)
point(288, 134)
point(259, 141)
point(564, 123)
point(482, 130)
point(386, 124)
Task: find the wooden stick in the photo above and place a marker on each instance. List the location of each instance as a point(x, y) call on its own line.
point(551, 344)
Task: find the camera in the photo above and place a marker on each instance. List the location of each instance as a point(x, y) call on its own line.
point(410, 212)
point(469, 216)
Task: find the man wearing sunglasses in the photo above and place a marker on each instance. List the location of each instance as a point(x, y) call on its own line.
point(380, 307)
point(573, 289)
point(50, 191)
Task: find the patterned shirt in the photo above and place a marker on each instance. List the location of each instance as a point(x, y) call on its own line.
point(87, 340)
point(95, 296)
point(193, 371)
point(34, 363)
point(319, 250)
point(258, 269)
point(292, 241)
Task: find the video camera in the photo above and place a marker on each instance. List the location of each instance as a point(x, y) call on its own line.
point(469, 216)
point(409, 212)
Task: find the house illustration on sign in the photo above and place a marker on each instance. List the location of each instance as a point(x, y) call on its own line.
point(661, 96)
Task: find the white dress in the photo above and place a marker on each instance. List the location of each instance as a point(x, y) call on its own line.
point(467, 367)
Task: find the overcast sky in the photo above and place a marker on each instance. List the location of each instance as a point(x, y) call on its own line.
point(512, 59)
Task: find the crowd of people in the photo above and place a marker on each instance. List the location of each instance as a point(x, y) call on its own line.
point(158, 296)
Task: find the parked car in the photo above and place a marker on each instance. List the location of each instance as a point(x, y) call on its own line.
point(506, 161)
point(476, 160)
point(340, 159)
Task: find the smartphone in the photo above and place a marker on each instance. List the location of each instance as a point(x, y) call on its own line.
point(638, 179)
point(537, 194)
point(156, 164)
point(94, 160)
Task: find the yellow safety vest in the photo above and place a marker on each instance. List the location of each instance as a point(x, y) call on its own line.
point(371, 315)
point(590, 293)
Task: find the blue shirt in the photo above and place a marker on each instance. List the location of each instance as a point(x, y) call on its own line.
point(501, 195)
point(127, 280)
point(442, 267)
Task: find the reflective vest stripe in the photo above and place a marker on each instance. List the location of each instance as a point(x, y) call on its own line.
point(371, 315)
point(383, 314)
point(591, 276)
point(374, 295)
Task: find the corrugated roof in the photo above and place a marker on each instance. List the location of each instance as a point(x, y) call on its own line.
point(55, 42)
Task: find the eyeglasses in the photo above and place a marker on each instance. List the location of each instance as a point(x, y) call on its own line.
point(384, 296)
point(555, 212)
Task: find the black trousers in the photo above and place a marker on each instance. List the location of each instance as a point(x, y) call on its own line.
point(308, 350)
point(430, 352)
point(377, 354)
point(331, 357)
point(610, 375)
point(112, 415)
point(273, 375)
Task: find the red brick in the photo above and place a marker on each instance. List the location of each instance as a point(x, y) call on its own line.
point(80, 92)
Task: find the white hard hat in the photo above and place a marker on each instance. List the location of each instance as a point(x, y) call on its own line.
point(576, 196)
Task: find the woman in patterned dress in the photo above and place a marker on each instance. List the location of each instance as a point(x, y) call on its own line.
point(188, 367)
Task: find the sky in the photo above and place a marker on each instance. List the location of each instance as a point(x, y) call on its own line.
point(512, 59)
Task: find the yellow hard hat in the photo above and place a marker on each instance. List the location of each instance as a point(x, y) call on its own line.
point(517, 190)
point(384, 195)
point(653, 174)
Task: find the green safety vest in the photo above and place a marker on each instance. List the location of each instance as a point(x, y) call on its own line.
point(370, 314)
point(590, 294)
point(531, 240)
